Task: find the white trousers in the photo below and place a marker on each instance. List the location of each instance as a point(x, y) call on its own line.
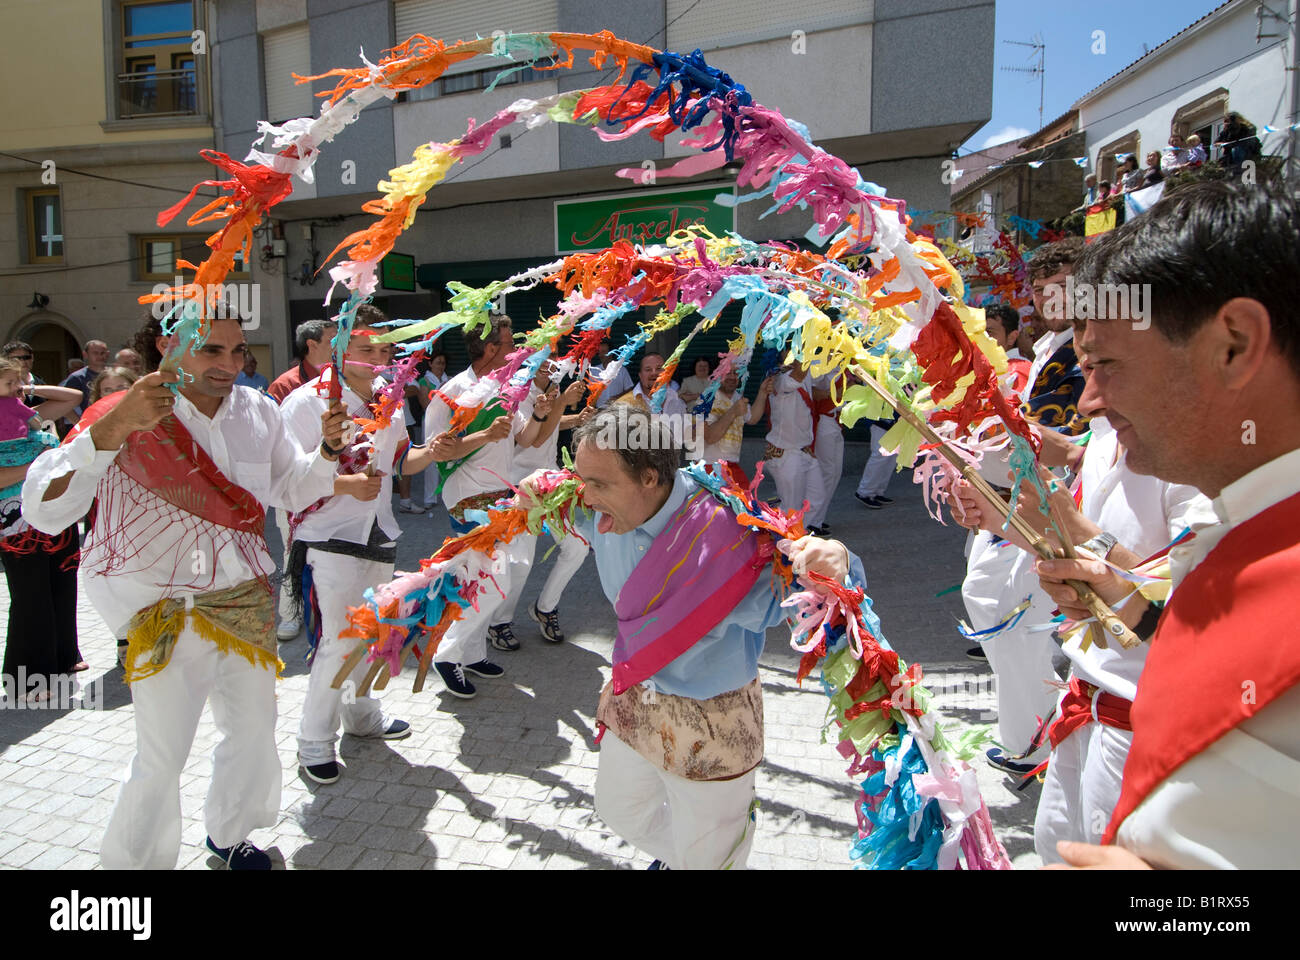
point(286, 610)
point(1081, 789)
point(340, 581)
point(688, 824)
point(998, 578)
point(144, 831)
point(572, 553)
point(879, 468)
point(466, 639)
point(830, 463)
point(797, 478)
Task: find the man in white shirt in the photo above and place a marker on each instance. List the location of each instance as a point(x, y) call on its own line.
point(1205, 391)
point(651, 366)
point(725, 431)
point(572, 551)
point(475, 464)
point(999, 579)
point(177, 561)
point(344, 544)
point(788, 459)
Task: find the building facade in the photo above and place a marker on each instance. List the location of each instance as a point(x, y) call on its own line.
point(106, 105)
point(1241, 57)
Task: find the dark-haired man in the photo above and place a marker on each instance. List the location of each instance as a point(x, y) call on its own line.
point(312, 343)
point(1206, 391)
point(475, 464)
point(177, 561)
point(683, 715)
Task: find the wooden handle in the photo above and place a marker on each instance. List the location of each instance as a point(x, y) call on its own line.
point(1109, 621)
point(349, 665)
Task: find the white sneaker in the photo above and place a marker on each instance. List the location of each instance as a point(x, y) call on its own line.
point(288, 629)
point(406, 506)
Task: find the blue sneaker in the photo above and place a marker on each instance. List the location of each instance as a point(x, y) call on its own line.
point(242, 856)
point(999, 759)
point(658, 865)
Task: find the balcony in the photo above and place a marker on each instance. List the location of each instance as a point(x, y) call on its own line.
point(163, 93)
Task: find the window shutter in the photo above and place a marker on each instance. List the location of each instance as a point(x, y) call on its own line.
point(284, 53)
point(452, 20)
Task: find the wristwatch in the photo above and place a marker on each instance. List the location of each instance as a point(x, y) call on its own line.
point(1101, 544)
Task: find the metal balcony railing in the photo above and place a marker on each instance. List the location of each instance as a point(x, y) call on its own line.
point(165, 93)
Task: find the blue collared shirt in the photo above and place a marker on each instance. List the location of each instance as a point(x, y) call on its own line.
point(725, 658)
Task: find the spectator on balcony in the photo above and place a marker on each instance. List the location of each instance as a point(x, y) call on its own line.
point(1131, 176)
point(1153, 174)
point(1195, 151)
point(1176, 155)
point(1238, 141)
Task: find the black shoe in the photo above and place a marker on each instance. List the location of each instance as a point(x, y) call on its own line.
point(826, 528)
point(871, 503)
point(997, 758)
point(503, 638)
point(322, 772)
point(453, 675)
point(977, 654)
point(658, 865)
point(882, 499)
point(242, 856)
point(549, 621)
point(485, 668)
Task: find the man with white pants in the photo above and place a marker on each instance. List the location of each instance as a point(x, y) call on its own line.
point(346, 543)
point(475, 464)
point(542, 456)
point(664, 549)
point(177, 561)
point(787, 458)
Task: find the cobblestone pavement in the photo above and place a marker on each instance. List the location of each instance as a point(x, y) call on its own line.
point(506, 780)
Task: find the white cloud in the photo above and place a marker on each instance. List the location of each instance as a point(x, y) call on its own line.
point(1004, 135)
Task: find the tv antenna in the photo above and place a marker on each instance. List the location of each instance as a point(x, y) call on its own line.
point(1038, 69)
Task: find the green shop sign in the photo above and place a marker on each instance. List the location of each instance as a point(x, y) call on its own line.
point(593, 224)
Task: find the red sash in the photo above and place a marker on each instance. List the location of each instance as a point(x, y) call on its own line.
point(1076, 711)
point(170, 464)
point(1223, 651)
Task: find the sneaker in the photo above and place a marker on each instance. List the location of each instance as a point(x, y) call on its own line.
point(977, 654)
point(485, 668)
point(321, 772)
point(242, 856)
point(549, 621)
point(453, 675)
point(998, 758)
point(871, 503)
point(502, 637)
point(406, 506)
point(122, 647)
point(288, 630)
point(395, 730)
point(657, 865)
point(882, 499)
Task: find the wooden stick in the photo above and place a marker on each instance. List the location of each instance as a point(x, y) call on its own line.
point(423, 670)
point(364, 689)
point(349, 665)
point(381, 683)
point(1067, 547)
point(1111, 623)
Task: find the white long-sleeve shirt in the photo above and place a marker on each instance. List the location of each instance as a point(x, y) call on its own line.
point(792, 421)
point(344, 517)
point(1231, 805)
point(248, 442)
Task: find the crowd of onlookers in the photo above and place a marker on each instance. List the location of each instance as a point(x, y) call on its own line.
point(1238, 143)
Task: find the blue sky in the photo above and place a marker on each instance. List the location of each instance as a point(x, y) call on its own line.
point(1067, 27)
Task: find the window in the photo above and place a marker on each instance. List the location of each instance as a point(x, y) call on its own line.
point(1204, 117)
point(156, 256)
point(284, 53)
point(1108, 158)
point(44, 214)
point(157, 70)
